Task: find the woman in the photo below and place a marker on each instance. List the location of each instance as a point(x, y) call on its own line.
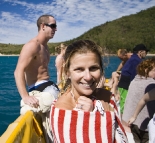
point(150, 96)
point(59, 63)
point(141, 84)
point(85, 113)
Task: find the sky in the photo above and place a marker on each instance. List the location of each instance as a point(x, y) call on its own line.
point(74, 17)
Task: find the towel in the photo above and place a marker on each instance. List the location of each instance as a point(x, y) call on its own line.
point(99, 126)
point(45, 102)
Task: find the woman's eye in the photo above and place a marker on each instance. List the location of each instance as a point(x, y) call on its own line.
point(94, 68)
point(90, 69)
point(78, 69)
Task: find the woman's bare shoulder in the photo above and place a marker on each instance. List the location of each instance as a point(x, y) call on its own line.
point(65, 102)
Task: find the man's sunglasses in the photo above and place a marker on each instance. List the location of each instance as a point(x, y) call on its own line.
point(51, 25)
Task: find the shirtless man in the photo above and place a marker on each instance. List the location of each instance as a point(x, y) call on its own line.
point(32, 66)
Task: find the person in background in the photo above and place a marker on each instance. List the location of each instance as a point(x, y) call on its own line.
point(129, 72)
point(59, 61)
point(123, 55)
point(32, 66)
point(83, 109)
point(137, 88)
point(149, 96)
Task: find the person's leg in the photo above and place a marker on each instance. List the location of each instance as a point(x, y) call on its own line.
point(123, 94)
point(114, 78)
point(114, 88)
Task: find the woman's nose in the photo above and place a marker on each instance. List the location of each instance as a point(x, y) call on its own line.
point(87, 75)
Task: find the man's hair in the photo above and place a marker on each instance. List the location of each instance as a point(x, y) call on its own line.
point(122, 52)
point(43, 19)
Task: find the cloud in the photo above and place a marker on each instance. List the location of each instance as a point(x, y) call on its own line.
point(73, 17)
point(14, 29)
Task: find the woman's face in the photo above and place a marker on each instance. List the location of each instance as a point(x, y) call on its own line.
point(85, 73)
point(152, 73)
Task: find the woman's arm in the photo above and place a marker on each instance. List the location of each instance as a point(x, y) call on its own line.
point(147, 97)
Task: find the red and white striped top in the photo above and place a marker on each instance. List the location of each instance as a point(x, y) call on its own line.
point(70, 126)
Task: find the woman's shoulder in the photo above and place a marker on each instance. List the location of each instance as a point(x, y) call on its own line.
point(65, 101)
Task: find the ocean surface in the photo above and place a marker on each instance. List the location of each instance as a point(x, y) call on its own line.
point(9, 96)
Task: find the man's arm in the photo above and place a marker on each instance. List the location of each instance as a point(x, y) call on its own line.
point(120, 66)
point(147, 97)
point(26, 56)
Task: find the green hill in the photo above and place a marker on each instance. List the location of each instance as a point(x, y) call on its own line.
point(124, 32)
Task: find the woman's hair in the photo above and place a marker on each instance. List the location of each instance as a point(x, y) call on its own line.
point(145, 67)
point(58, 49)
point(80, 47)
point(43, 19)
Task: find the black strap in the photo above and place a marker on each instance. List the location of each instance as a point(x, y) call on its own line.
point(42, 86)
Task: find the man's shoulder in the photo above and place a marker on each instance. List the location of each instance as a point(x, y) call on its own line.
point(32, 45)
point(33, 42)
point(134, 57)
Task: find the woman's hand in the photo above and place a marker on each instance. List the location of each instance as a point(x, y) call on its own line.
point(132, 119)
point(85, 104)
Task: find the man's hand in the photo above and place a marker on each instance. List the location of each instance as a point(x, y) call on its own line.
point(31, 101)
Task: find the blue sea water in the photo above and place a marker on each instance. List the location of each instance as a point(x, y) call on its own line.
point(9, 96)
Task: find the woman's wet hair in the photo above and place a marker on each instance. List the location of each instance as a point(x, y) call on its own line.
point(80, 47)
